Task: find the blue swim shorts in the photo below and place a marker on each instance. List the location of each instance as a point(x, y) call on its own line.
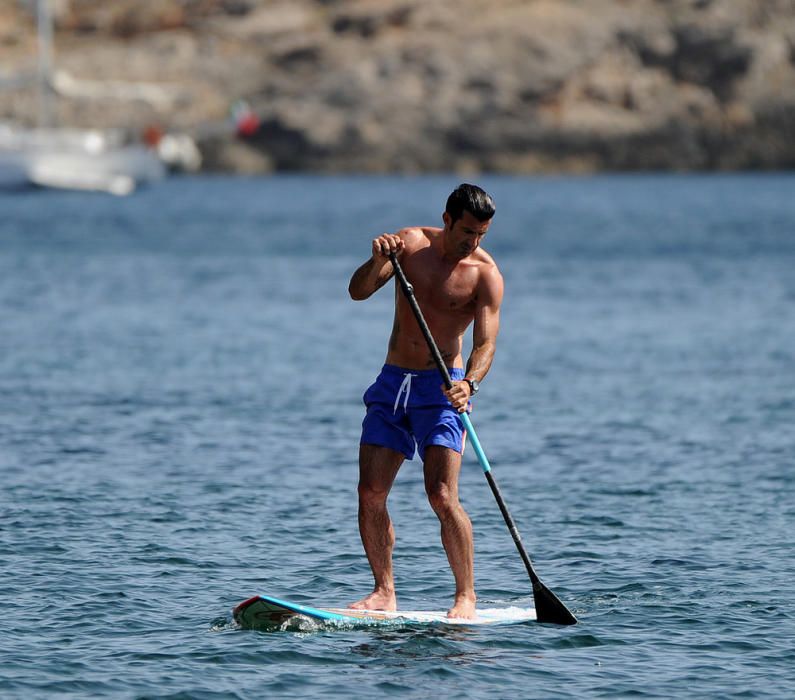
point(405, 407)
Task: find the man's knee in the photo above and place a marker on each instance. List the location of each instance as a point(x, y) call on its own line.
point(378, 467)
point(371, 493)
point(442, 498)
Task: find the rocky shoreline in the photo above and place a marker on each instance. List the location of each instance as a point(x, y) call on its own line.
point(514, 86)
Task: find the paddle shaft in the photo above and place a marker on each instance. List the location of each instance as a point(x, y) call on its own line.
point(545, 599)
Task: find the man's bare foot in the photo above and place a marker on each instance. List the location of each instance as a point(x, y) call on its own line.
point(463, 607)
point(377, 600)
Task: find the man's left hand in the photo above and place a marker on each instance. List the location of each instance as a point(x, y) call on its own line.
point(458, 395)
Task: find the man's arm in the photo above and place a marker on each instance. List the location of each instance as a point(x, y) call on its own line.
point(484, 336)
point(378, 270)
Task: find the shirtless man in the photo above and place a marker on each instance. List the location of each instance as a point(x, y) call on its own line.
point(455, 283)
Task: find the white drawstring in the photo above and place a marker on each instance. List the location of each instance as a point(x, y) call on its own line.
point(405, 386)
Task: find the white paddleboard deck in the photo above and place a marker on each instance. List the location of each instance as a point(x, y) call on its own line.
point(266, 612)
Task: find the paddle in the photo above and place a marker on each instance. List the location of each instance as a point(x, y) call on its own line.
point(548, 607)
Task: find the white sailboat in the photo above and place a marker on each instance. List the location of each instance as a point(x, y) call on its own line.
point(50, 156)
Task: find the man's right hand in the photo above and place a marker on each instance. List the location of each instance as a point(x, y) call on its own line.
point(385, 244)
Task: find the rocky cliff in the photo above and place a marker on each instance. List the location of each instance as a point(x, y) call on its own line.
point(431, 85)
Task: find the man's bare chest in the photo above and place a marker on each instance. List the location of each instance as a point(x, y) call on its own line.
point(445, 291)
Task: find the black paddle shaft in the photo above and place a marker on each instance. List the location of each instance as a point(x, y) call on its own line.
point(408, 290)
point(548, 607)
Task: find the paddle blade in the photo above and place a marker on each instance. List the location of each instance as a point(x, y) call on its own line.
point(549, 608)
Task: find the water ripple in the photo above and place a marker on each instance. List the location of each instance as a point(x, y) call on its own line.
point(180, 398)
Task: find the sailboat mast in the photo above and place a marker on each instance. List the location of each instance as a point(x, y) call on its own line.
point(46, 117)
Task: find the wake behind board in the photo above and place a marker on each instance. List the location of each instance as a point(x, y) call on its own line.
point(266, 612)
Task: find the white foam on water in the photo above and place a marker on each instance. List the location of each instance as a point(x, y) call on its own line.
point(485, 616)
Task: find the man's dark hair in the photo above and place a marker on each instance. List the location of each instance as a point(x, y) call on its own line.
point(470, 198)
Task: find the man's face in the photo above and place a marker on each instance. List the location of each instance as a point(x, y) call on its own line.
point(464, 236)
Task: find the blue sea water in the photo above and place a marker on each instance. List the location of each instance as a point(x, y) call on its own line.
point(180, 399)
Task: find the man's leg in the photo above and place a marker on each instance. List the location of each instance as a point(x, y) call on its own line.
point(378, 467)
point(442, 466)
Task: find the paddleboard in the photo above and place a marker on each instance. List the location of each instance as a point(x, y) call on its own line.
point(267, 612)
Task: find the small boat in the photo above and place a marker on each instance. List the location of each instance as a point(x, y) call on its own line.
point(75, 159)
point(80, 159)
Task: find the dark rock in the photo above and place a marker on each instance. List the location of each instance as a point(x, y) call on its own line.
point(710, 57)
